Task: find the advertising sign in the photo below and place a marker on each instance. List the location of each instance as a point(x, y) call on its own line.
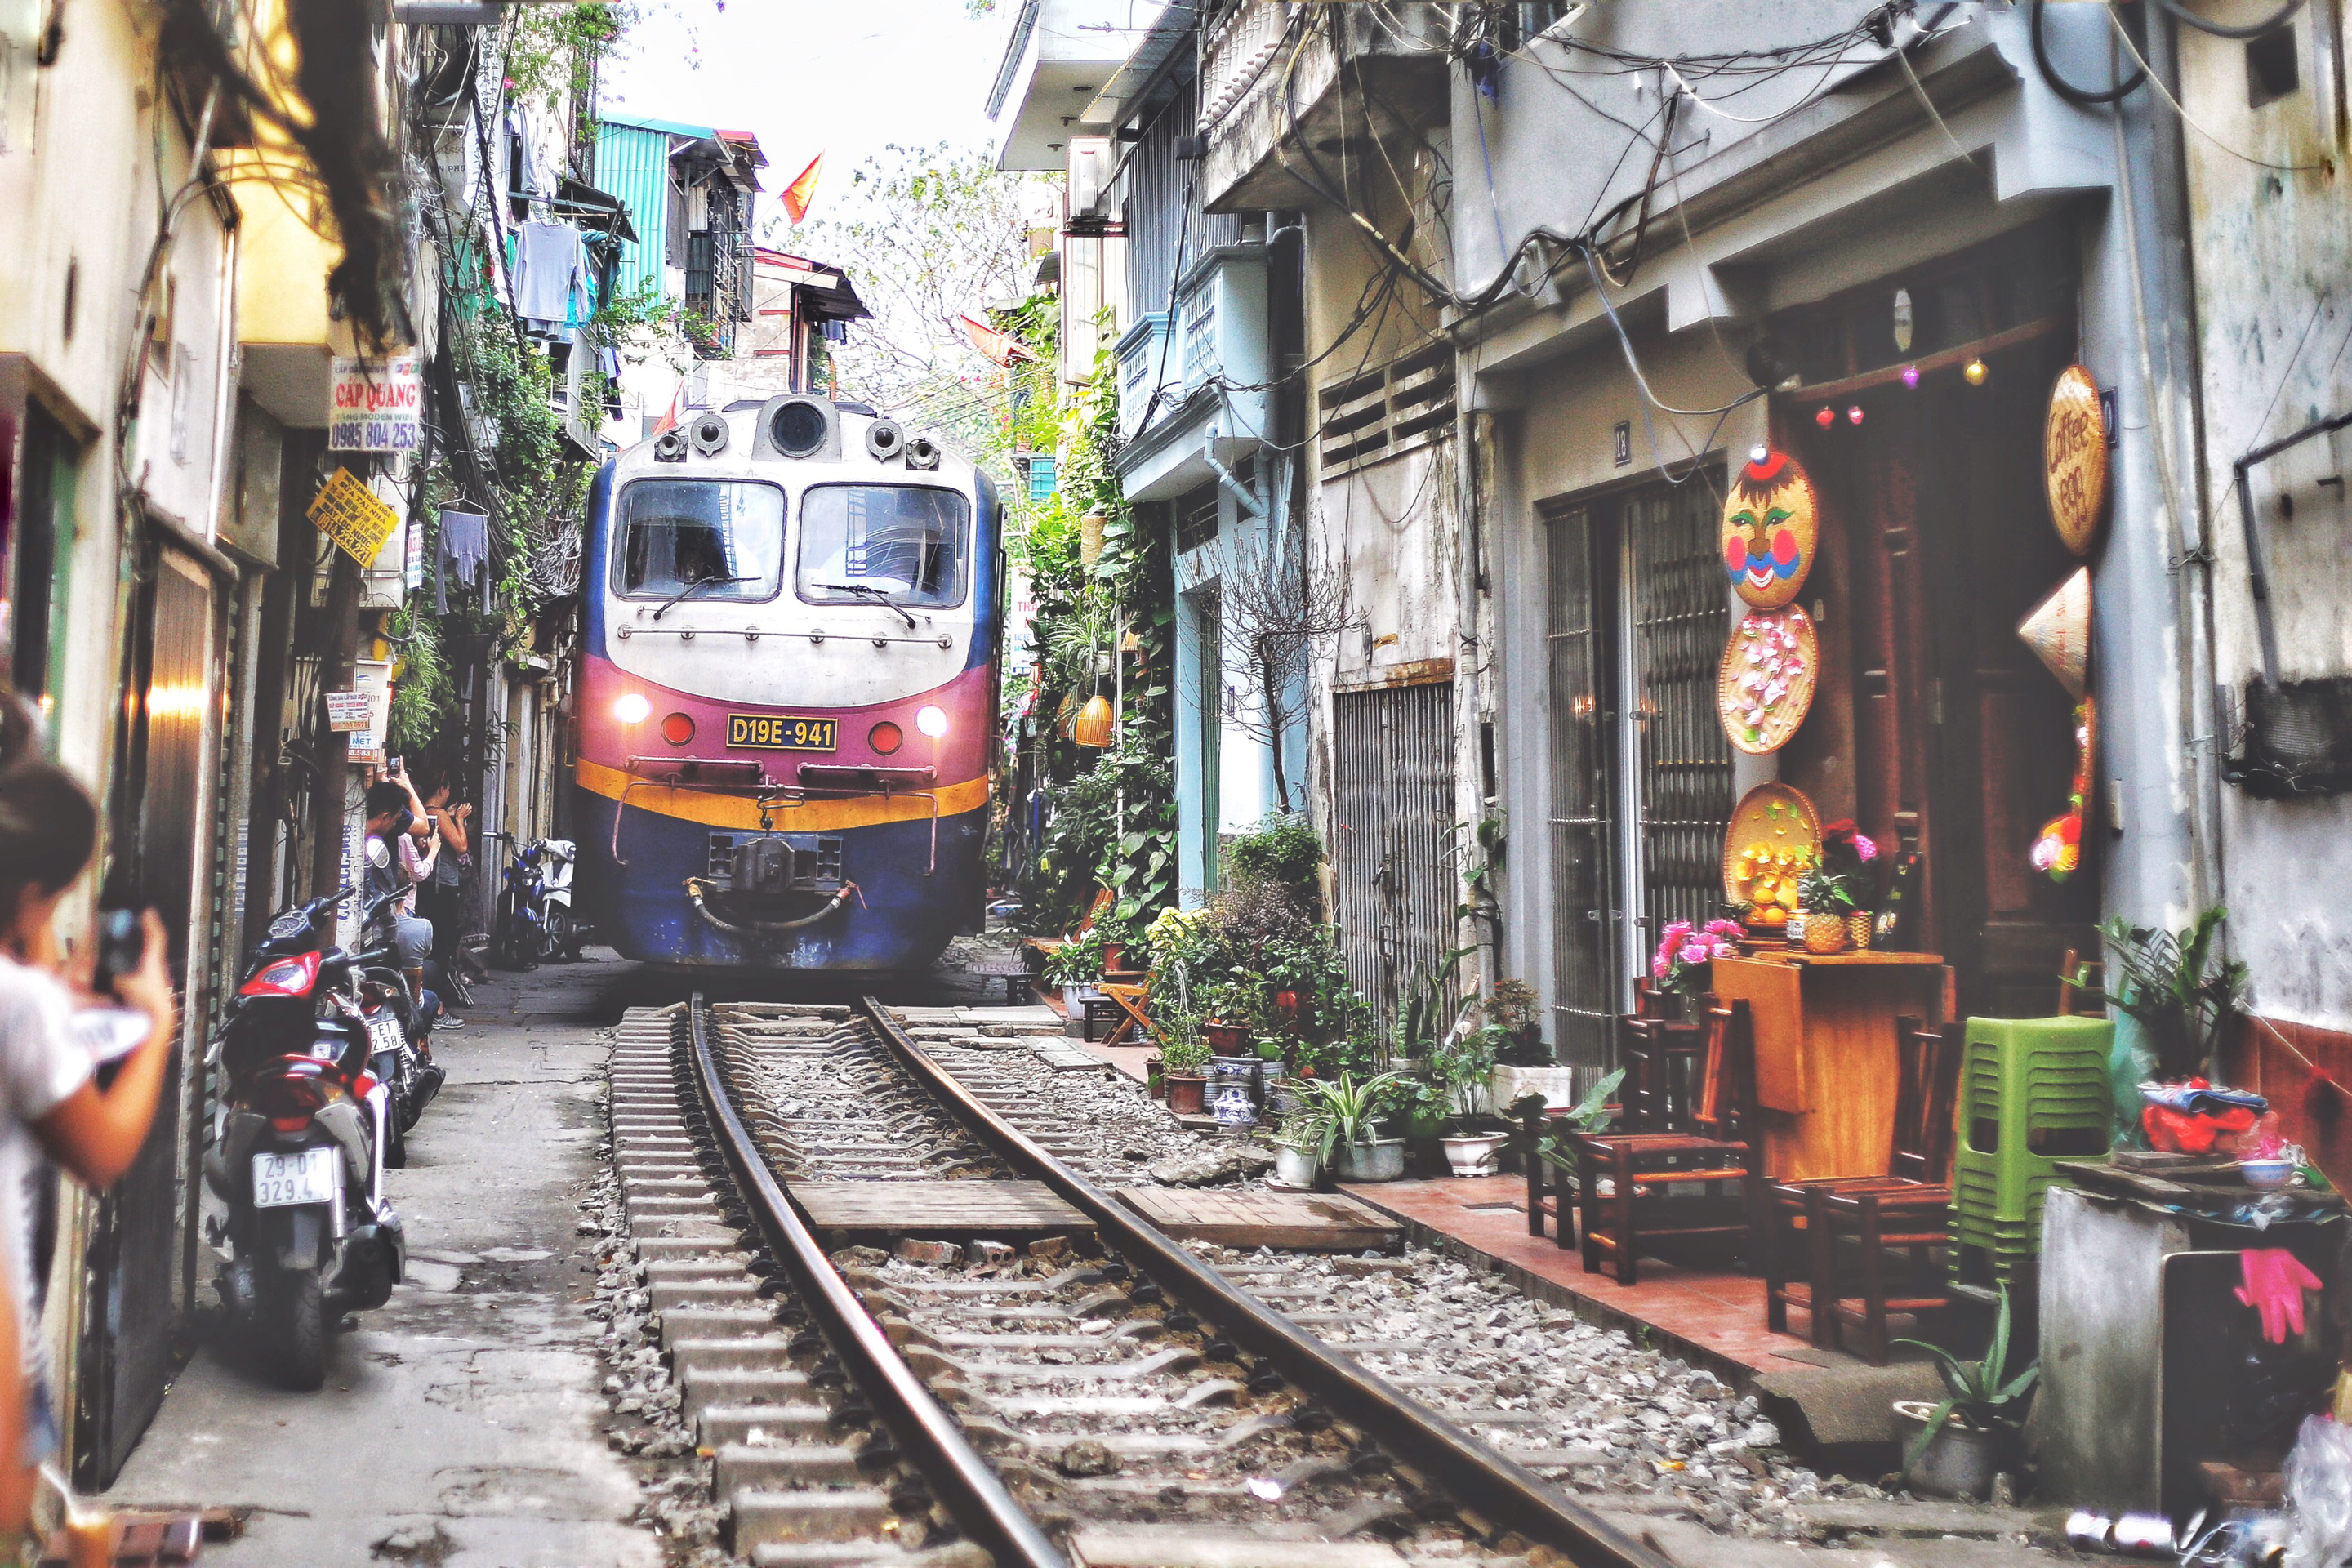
point(376, 404)
point(348, 512)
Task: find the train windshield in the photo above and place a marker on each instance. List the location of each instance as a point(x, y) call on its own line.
point(905, 543)
point(678, 533)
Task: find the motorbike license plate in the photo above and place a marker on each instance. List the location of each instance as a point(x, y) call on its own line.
point(385, 1034)
point(781, 732)
point(282, 1181)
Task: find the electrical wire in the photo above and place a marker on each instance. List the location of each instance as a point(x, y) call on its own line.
point(2081, 96)
point(2277, 19)
point(2165, 93)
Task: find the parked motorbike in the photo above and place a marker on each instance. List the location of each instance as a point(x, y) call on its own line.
point(298, 1141)
point(400, 1050)
point(535, 920)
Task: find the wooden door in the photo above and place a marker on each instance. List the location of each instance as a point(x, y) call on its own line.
point(1962, 741)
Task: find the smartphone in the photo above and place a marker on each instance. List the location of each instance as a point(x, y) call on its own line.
point(395, 765)
point(122, 946)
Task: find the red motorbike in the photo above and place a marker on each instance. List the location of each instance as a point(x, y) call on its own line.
point(298, 1140)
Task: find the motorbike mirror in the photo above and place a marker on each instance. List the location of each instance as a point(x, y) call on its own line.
point(377, 855)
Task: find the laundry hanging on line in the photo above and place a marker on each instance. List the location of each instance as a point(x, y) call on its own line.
point(464, 554)
point(554, 285)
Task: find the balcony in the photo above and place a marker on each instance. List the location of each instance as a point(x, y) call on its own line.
point(1204, 370)
point(1264, 61)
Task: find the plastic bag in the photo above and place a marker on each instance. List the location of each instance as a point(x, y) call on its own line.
point(2318, 1478)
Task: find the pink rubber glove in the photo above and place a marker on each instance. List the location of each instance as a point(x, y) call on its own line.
point(2275, 1285)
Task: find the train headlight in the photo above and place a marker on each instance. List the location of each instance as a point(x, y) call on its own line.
point(678, 729)
point(932, 722)
point(886, 737)
point(633, 707)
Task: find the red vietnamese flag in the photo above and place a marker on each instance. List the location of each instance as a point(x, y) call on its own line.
point(802, 190)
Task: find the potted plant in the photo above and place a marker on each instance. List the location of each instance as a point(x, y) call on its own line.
point(2178, 993)
point(1301, 1144)
point(1459, 1066)
point(1840, 893)
point(1956, 1447)
point(1523, 1063)
point(1074, 966)
point(1184, 1053)
point(1358, 1152)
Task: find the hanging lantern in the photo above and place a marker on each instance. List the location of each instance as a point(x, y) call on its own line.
point(1093, 728)
point(1065, 717)
point(1825, 416)
point(1090, 538)
point(1911, 376)
point(1974, 373)
point(1853, 414)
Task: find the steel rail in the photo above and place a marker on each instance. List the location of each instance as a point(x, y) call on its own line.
point(1503, 1491)
point(963, 1482)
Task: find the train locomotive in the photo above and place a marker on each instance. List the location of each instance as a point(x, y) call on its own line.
point(787, 692)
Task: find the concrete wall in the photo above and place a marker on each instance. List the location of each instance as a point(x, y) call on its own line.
point(2268, 247)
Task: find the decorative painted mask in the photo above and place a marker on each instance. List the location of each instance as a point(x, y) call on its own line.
point(1768, 530)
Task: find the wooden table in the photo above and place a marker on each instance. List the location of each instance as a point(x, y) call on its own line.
point(1826, 1068)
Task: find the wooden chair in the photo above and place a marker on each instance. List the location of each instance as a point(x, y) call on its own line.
point(1644, 1170)
point(1906, 1203)
point(2091, 996)
point(1664, 1059)
point(1134, 1027)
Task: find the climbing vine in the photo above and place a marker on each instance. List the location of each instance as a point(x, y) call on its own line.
point(1103, 627)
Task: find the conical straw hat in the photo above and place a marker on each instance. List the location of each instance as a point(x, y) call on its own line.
point(2059, 631)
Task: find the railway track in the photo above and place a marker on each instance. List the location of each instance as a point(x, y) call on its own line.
point(1115, 1402)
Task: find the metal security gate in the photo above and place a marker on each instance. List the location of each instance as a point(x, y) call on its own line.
point(1641, 772)
point(1393, 862)
point(1681, 621)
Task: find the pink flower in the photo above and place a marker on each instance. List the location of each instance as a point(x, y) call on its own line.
point(1677, 929)
point(1865, 849)
point(1694, 952)
point(1725, 950)
point(1658, 967)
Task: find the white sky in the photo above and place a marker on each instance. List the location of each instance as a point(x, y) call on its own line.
point(844, 78)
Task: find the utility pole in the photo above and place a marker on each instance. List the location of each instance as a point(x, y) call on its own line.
point(337, 656)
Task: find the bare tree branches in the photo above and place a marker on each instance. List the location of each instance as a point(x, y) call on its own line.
point(1283, 604)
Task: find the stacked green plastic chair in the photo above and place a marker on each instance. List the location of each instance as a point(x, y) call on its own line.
point(2034, 1099)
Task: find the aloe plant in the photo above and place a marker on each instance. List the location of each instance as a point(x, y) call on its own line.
point(1980, 1391)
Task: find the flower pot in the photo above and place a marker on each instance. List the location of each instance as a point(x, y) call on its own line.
point(1824, 933)
point(1282, 1096)
point(1473, 1155)
point(1185, 1091)
point(1381, 1160)
point(1295, 1168)
point(1075, 994)
point(1155, 1076)
point(1226, 1040)
point(1960, 1461)
point(1858, 930)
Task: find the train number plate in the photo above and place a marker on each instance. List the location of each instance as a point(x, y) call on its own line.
point(781, 732)
point(282, 1181)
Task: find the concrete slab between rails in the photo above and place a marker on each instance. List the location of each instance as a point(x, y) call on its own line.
point(1191, 1548)
point(1833, 1409)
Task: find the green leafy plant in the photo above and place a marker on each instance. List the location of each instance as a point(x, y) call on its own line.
point(1282, 850)
point(1554, 1146)
point(2182, 993)
point(1432, 1009)
point(1078, 960)
point(1510, 1009)
point(1356, 1107)
point(1980, 1393)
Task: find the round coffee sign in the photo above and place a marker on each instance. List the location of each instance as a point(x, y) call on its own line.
point(2074, 459)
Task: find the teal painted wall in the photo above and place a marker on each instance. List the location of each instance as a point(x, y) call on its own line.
point(632, 163)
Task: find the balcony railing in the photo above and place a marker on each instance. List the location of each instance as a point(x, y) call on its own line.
point(1270, 72)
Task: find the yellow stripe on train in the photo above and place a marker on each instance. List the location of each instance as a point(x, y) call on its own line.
point(716, 810)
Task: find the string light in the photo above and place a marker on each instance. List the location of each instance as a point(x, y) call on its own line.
point(1911, 376)
point(1853, 414)
point(1976, 373)
point(1825, 416)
